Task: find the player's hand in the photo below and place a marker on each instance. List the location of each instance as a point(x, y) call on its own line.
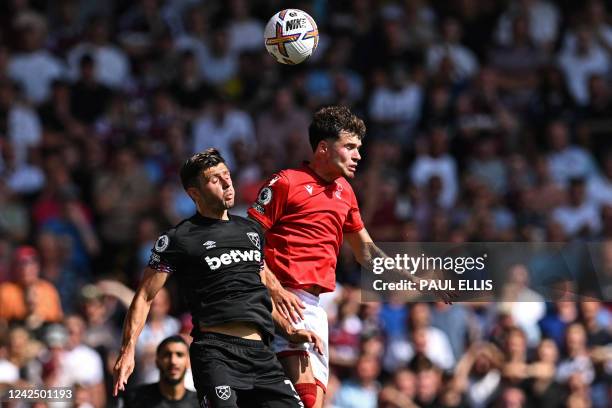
point(122, 371)
point(288, 305)
point(307, 336)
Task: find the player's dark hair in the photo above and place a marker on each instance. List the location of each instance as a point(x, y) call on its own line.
point(168, 340)
point(193, 166)
point(328, 122)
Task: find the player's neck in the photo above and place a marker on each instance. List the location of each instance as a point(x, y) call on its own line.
point(322, 170)
point(173, 392)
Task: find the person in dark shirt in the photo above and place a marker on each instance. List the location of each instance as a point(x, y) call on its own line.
point(172, 359)
point(218, 262)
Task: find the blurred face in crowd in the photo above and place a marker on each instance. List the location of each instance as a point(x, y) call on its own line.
point(513, 398)
point(547, 351)
point(367, 369)
point(428, 385)
point(75, 327)
point(451, 31)
point(577, 193)
point(516, 343)
point(589, 310)
point(27, 270)
point(419, 315)
point(32, 38)
point(583, 43)
point(405, 381)
point(557, 136)
point(172, 361)
point(575, 339)
point(419, 340)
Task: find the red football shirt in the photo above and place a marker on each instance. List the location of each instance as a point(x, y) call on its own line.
point(305, 217)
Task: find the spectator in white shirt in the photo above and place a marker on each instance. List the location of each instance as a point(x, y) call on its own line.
point(222, 127)
point(580, 217)
point(245, 32)
point(112, 65)
point(599, 188)
point(581, 62)
point(23, 126)
point(596, 17)
point(435, 160)
point(465, 64)
point(219, 63)
point(74, 363)
point(34, 68)
point(395, 107)
point(543, 17)
point(566, 161)
point(425, 340)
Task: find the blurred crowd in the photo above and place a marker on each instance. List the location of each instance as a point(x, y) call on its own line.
point(488, 120)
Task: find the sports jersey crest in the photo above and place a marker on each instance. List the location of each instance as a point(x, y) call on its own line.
point(223, 392)
point(254, 237)
point(265, 196)
point(162, 243)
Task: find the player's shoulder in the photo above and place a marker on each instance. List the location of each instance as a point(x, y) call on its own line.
point(173, 236)
point(247, 223)
point(344, 183)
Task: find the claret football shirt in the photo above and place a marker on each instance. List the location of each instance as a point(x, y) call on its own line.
point(305, 217)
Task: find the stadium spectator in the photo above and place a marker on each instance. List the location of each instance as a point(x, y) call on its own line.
point(29, 297)
point(34, 68)
point(107, 64)
point(462, 59)
point(363, 390)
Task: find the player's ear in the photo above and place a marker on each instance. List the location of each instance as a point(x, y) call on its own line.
point(193, 193)
point(323, 146)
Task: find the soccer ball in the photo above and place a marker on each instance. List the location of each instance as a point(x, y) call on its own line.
point(291, 36)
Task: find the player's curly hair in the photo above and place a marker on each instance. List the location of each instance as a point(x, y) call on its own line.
point(193, 166)
point(328, 122)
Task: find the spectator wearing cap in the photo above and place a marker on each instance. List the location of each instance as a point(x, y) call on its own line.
point(28, 294)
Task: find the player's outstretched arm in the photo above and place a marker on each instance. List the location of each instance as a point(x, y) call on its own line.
point(138, 311)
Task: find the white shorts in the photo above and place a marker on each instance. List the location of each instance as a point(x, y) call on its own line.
point(315, 319)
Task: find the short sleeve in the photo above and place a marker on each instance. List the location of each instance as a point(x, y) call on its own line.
point(271, 201)
point(353, 221)
point(166, 253)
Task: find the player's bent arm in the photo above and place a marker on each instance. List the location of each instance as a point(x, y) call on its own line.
point(135, 319)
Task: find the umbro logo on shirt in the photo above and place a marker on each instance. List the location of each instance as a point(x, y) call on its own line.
point(210, 244)
point(309, 189)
